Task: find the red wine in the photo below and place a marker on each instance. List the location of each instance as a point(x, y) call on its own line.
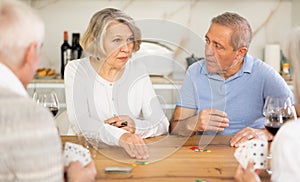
point(273, 128)
point(76, 48)
point(54, 110)
point(64, 54)
point(276, 121)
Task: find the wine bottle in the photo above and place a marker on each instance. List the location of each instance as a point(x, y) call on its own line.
point(76, 48)
point(64, 54)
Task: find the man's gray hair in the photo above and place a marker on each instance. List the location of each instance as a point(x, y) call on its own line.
point(242, 33)
point(20, 25)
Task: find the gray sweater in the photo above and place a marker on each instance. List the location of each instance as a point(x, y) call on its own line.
point(30, 147)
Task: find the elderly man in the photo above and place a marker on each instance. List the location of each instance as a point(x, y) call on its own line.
point(225, 93)
point(30, 145)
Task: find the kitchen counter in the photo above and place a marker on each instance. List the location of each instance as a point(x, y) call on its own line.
point(154, 79)
point(165, 88)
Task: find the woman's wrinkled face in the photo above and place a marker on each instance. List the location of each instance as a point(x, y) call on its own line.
point(118, 44)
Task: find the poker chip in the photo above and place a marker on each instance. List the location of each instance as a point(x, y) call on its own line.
point(200, 180)
point(198, 149)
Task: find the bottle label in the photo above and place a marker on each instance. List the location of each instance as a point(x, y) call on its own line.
point(285, 68)
point(68, 55)
point(75, 54)
point(65, 57)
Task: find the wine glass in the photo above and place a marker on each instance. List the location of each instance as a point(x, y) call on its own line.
point(48, 100)
point(277, 111)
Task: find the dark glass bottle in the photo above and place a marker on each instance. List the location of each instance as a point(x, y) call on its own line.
point(64, 54)
point(76, 48)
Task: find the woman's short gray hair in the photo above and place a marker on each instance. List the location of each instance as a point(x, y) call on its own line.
point(242, 33)
point(92, 41)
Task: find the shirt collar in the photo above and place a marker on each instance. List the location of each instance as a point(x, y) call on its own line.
point(248, 64)
point(246, 68)
point(10, 81)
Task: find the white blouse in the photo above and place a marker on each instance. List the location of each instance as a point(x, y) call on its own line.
point(91, 100)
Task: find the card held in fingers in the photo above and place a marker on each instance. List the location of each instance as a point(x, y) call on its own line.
point(75, 152)
point(255, 150)
point(241, 155)
point(258, 151)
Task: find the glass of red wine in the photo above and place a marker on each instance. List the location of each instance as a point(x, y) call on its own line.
point(48, 100)
point(278, 111)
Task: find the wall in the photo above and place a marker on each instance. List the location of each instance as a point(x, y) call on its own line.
point(295, 13)
point(270, 19)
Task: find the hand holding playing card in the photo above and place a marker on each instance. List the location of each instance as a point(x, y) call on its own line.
point(242, 175)
point(75, 152)
point(255, 150)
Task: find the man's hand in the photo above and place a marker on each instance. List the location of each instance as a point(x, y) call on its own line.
point(186, 121)
point(249, 134)
point(211, 119)
point(134, 145)
point(77, 173)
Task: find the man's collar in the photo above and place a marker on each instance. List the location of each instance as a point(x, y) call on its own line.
point(248, 64)
point(10, 81)
point(246, 68)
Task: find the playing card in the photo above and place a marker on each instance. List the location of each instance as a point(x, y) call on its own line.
point(241, 155)
point(75, 152)
point(255, 150)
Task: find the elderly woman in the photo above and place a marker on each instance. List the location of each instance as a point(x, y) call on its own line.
point(285, 162)
point(109, 94)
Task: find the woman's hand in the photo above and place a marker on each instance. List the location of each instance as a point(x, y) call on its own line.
point(134, 145)
point(124, 122)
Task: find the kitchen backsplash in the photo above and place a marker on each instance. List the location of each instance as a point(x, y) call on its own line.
point(270, 20)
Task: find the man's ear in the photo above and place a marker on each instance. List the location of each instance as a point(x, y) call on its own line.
point(242, 52)
point(31, 53)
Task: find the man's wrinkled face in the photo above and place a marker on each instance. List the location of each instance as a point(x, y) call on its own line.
point(219, 52)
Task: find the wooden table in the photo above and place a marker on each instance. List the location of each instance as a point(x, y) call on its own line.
point(183, 164)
